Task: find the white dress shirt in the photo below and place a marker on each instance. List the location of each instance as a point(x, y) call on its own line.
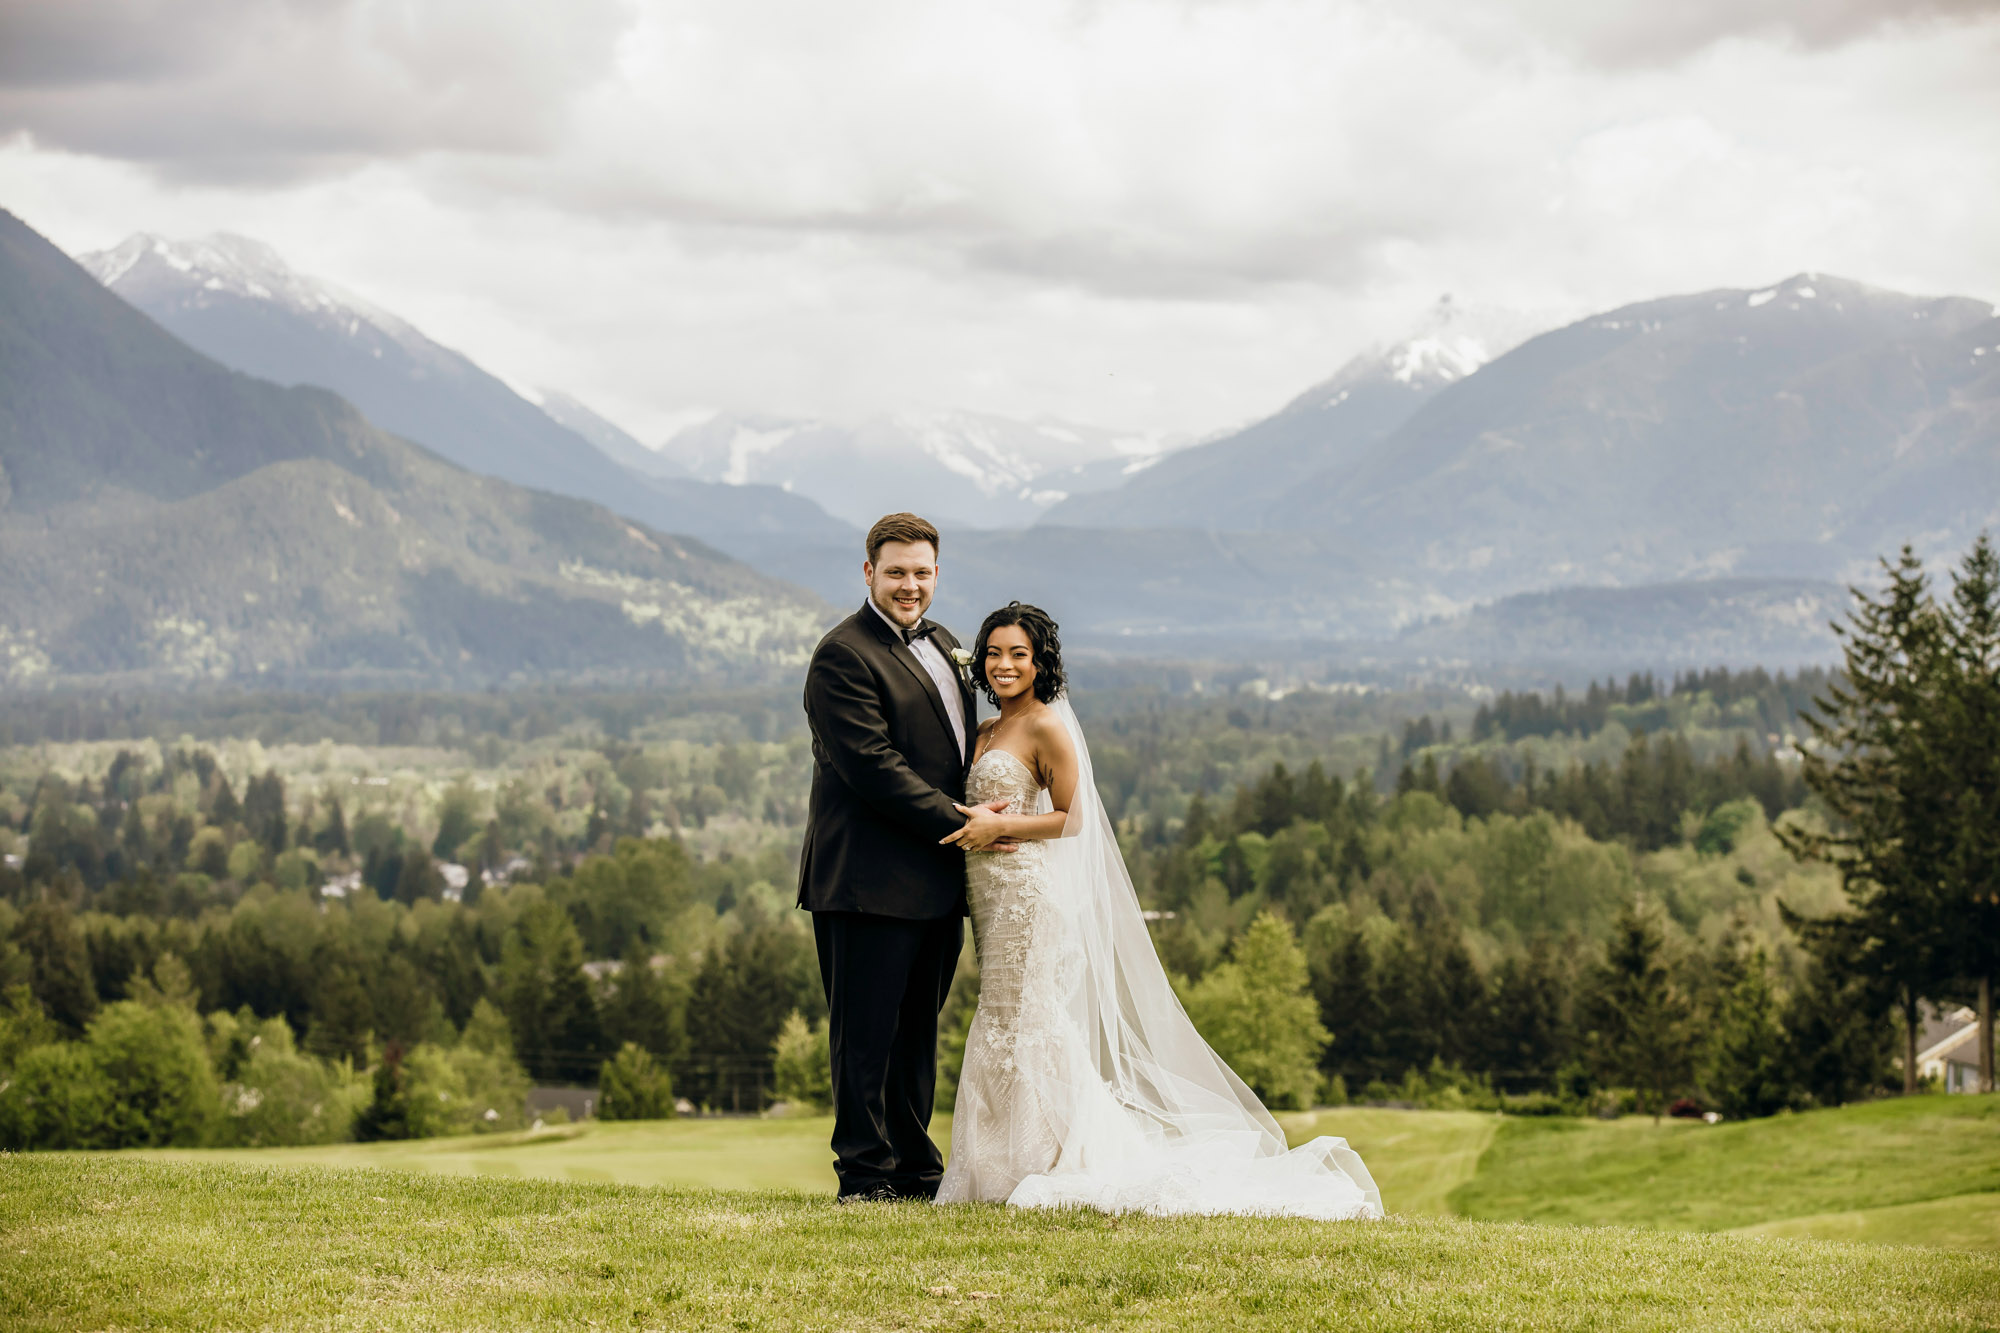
point(932, 659)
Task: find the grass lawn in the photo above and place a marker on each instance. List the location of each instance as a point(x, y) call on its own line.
point(92, 1241)
point(1962, 1222)
point(1695, 1177)
point(1416, 1157)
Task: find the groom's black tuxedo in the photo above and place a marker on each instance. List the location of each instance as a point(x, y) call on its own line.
point(886, 897)
point(886, 770)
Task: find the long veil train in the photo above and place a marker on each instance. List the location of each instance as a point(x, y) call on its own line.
point(1156, 1121)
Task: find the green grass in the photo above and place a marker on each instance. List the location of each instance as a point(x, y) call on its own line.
point(1962, 1222)
point(713, 1154)
point(100, 1241)
point(1416, 1157)
point(1695, 1177)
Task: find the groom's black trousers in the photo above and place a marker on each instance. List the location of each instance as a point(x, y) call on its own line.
point(886, 979)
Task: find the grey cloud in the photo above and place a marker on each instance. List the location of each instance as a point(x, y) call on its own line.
point(281, 89)
point(1651, 34)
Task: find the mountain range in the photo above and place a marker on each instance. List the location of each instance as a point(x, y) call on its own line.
point(1675, 477)
point(163, 517)
point(961, 469)
point(1798, 430)
point(238, 301)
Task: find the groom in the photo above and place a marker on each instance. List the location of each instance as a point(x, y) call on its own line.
point(891, 721)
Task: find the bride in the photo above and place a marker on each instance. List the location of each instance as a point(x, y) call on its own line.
point(1084, 1082)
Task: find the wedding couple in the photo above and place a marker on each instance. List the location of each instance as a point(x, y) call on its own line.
point(1084, 1083)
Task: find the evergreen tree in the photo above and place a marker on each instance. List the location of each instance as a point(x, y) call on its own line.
point(641, 1009)
point(547, 999)
point(1836, 1033)
point(1966, 752)
point(223, 809)
point(332, 838)
point(387, 1115)
point(1638, 1017)
point(59, 971)
point(1867, 767)
point(1747, 1072)
point(632, 1086)
point(264, 811)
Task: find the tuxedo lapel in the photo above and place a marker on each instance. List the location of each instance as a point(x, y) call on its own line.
point(901, 652)
point(965, 705)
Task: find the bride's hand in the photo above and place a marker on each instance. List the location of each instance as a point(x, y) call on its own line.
point(984, 826)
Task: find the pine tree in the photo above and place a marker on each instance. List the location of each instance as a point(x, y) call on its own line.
point(547, 999)
point(1968, 753)
point(1866, 765)
point(1747, 1071)
point(387, 1115)
point(1638, 1017)
point(632, 1086)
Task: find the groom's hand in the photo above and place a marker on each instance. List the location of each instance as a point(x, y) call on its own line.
point(999, 807)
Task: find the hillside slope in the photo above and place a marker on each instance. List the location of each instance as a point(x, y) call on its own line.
point(162, 517)
point(237, 301)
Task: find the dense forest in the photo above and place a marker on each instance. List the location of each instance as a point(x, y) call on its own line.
point(333, 916)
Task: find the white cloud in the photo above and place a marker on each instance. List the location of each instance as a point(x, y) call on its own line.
point(1168, 216)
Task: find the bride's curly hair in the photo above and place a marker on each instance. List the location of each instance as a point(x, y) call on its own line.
point(1043, 641)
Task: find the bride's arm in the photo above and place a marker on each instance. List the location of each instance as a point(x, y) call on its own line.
point(1054, 761)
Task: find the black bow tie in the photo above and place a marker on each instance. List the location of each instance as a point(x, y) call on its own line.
point(910, 636)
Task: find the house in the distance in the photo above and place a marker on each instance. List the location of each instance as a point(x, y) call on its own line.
point(1948, 1049)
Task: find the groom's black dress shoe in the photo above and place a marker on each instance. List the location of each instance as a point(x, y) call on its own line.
point(882, 1193)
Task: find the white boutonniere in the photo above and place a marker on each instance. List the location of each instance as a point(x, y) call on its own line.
point(962, 658)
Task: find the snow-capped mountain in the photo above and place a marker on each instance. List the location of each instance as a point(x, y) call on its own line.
point(967, 469)
point(238, 301)
point(1228, 483)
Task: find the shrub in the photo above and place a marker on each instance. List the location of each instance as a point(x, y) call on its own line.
point(632, 1086)
point(803, 1063)
point(155, 1060)
point(463, 1090)
point(55, 1097)
point(281, 1097)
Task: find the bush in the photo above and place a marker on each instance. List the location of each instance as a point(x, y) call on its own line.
point(281, 1097)
point(803, 1063)
point(55, 1097)
point(463, 1090)
point(155, 1059)
point(631, 1086)
point(1538, 1104)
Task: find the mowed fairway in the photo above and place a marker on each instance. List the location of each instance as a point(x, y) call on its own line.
point(1916, 1170)
point(92, 1241)
point(1417, 1157)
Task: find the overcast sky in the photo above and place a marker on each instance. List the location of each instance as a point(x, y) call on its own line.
point(1165, 215)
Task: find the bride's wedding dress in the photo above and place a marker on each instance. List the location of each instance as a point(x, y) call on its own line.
point(1084, 1081)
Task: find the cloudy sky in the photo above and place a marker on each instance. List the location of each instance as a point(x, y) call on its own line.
point(1163, 215)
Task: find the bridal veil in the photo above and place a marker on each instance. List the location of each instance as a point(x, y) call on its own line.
point(1156, 1121)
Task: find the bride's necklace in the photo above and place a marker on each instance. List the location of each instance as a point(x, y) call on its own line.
point(993, 737)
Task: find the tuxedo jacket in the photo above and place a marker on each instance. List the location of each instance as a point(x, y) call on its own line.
point(886, 772)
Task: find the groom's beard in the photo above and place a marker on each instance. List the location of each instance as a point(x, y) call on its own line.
point(886, 605)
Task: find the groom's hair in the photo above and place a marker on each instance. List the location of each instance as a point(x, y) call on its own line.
point(900, 528)
point(1043, 643)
